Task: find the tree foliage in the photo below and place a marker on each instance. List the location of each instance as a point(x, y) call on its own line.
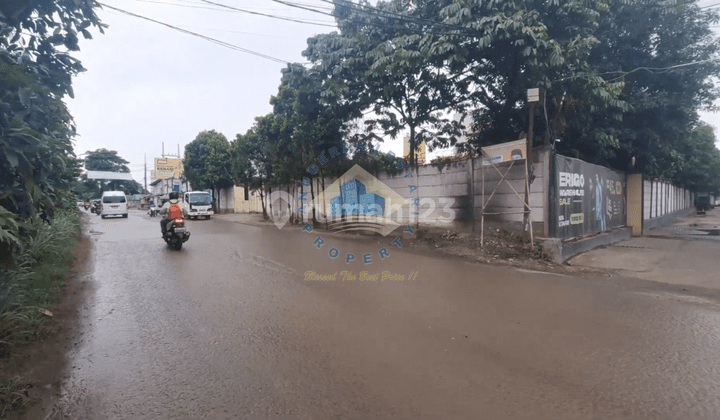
point(207, 161)
point(377, 67)
point(621, 79)
point(105, 160)
point(37, 162)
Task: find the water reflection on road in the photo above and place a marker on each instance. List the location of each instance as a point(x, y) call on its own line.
point(229, 328)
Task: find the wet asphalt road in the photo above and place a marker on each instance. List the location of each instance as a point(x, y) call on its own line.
point(229, 328)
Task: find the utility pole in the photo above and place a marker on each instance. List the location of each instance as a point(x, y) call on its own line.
point(145, 171)
point(533, 97)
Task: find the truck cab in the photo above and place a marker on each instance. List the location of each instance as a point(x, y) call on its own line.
point(197, 204)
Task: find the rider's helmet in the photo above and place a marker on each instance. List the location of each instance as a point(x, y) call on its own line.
point(173, 195)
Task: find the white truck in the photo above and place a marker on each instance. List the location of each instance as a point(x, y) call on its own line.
point(197, 204)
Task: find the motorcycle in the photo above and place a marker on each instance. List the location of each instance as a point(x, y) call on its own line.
point(95, 208)
point(177, 234)
point(153, 211)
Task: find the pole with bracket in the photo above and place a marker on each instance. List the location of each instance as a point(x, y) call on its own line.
point(533, 98)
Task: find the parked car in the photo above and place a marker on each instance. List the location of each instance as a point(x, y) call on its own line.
point(114, 203)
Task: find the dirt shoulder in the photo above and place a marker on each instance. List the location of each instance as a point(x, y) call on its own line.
point(41, 363)
point(500, 246)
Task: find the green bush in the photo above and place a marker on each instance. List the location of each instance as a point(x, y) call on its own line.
point(43, 255)
point(12, 394)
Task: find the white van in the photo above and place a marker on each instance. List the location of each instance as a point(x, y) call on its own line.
point(197, 204)
point(113, 203)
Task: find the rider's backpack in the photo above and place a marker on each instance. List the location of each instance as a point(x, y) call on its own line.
point(174, 212)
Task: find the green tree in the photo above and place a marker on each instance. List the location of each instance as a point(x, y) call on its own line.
point(697, 162)
point(208, 162)
point(666, 58)
point(378, 67)
point(253, 159)
point(106, 161)
point(310, 129)
point(36, 163)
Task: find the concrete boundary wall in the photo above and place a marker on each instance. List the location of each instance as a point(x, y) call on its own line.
point(661, 197)
point(455, 188)
point(666, 219)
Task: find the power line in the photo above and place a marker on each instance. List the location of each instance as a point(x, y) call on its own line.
point(709, 6)
point(237, 32)
point(401, 17)
point(199, 5)
point(654, 70)
point(270, 16)
point(661, 70)
point(216, 41)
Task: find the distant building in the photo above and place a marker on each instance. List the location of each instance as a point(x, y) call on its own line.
point(419, 151)
point(160, 189)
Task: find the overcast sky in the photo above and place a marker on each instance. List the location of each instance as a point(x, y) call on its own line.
point(147, 84)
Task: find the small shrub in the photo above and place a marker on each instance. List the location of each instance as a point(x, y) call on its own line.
point(12, 394)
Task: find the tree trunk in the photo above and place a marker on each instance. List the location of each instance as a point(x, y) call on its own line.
point(302, 215)
point(312, 197)
point(413, 164)
point(324, 204)
point(412, 146)
point(290, 207)
point(262, 201)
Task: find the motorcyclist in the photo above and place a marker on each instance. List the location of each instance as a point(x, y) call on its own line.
point(165, 210)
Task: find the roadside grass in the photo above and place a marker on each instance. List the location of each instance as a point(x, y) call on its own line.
point(30, 284)
point(12, 394)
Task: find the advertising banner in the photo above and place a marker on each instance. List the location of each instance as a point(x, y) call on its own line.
point(588, 198)
point(505, 152)
point(168, 168)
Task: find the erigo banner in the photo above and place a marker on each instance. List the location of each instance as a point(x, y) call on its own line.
point(589, 198)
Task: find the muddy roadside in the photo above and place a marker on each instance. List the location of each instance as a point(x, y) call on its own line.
point(42, 362)
point(500, 246)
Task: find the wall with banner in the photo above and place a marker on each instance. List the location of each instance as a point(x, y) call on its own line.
point(585, 198)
